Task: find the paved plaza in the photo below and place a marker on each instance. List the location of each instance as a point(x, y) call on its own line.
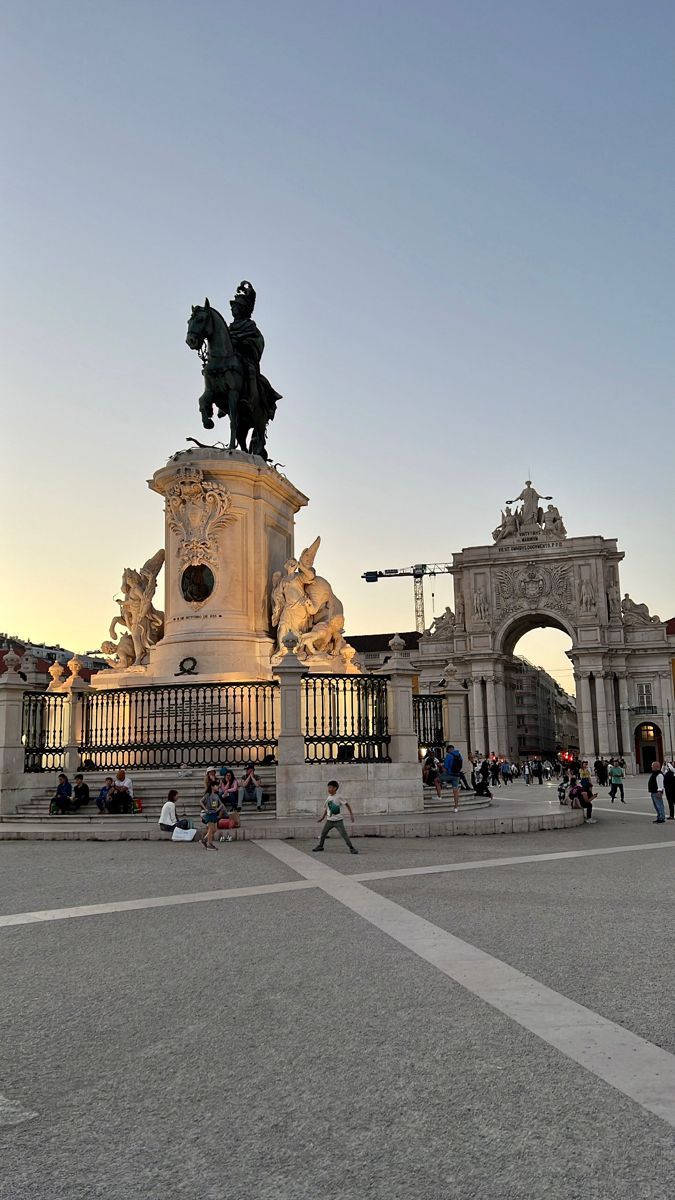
point(483, 1017)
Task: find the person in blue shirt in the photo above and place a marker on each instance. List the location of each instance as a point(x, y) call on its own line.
point(452, 766)
point(61, 801)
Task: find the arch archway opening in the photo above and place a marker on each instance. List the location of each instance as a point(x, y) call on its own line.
point(543, 719)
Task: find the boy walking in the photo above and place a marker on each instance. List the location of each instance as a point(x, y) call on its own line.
point(333, 818)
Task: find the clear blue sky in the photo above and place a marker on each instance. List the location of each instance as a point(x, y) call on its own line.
point(460, 221)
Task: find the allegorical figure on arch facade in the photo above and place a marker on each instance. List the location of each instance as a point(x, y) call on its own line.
point(636, 614)
point(530, 513)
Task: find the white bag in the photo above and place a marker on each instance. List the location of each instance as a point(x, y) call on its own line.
point(183, 835)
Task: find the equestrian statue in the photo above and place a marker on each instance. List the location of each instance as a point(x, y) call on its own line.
point(233, 384)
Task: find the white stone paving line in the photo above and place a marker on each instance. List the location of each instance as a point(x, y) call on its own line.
point(117, 906)
point(40, 916)
point(637, 1068)
point(479, 863)
point(13, 1113)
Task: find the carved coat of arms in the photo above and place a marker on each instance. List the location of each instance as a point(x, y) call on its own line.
point(197, 509)
point(549, 586)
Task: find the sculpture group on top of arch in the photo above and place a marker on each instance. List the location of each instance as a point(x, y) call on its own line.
point(530, 521)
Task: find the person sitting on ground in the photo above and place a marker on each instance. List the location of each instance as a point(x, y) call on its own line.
point(250, 788)
point(581, 791)
point(229, 791)
point(168, 818)
point(212, 808)
point(61, 800)
point(481, 775)
point(121, 798)
point(80, 792)
point(431, 771)
point(104, 795)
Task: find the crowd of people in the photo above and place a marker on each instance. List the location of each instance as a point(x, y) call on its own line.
point(220, 806)
point(115, 796)
point(575, 780)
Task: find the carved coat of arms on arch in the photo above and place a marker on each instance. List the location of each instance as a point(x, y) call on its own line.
point(534, 585)
point(197, 510)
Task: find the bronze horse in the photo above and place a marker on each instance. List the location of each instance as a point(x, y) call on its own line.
point(225, 378)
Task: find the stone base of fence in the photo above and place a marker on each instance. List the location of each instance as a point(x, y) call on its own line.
point(371, 788)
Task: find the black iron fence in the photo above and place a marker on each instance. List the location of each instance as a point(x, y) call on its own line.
point(428, 720)
point(346, 718)
point(188, 725)
point(43, 733)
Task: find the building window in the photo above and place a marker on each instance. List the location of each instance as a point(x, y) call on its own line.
point(645, 695)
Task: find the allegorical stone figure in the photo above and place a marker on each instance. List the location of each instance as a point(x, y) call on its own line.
point(145, 624)
point(636, 614)
point(305, 606)
point(586, 596)
point(481, 607)
point(530, 512)
point(508, 526)
point(553, 522)
point(443, 626)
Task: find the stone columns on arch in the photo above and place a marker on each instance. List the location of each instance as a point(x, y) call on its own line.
point(502, 746)
point(491, 699)
point(626, 735)
point(476, 716)
point(585, 715)
point(601, 711)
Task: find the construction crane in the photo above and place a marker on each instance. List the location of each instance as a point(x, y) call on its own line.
point(418, 572)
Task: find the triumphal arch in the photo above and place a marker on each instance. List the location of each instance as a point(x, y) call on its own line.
point(534, 575)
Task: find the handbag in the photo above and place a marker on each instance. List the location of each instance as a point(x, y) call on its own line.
point(183, 835)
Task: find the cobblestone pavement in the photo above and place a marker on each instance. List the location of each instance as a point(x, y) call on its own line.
point(473, 1018)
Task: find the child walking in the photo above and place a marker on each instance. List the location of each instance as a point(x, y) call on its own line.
point(333, 817)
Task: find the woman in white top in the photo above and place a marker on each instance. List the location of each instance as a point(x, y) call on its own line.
point(168, 818)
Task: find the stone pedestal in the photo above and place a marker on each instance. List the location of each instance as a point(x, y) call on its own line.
point(229, 523)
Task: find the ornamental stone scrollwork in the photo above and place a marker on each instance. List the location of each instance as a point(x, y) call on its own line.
point(197, 510)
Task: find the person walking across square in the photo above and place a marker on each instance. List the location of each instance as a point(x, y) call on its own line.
point(452, 767)
point(333, 818)
point(616, 778)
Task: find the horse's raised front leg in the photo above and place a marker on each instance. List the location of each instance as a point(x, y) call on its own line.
point(206, 409)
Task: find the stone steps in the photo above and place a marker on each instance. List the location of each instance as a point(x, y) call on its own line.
point(152, 788)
